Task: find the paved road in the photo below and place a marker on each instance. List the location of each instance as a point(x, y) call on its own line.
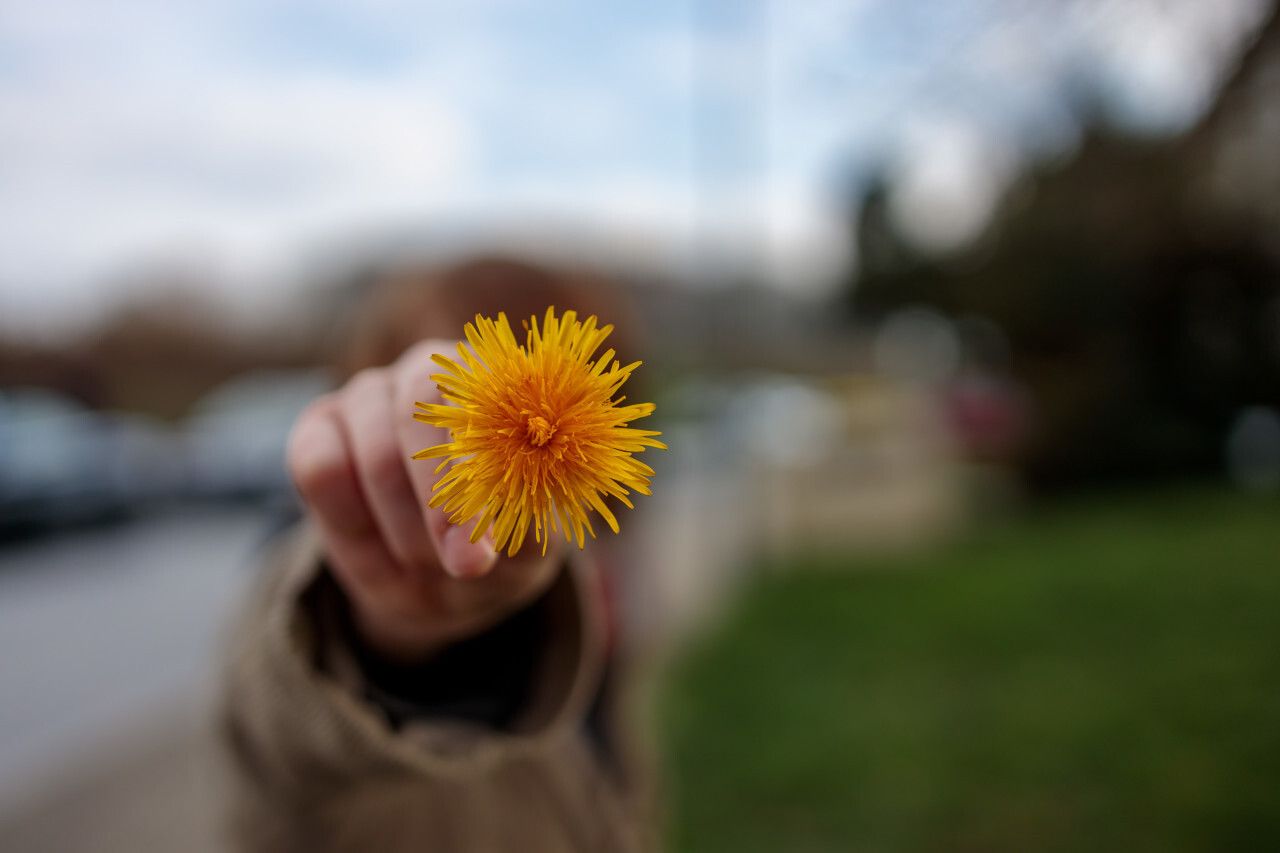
point(108, 637)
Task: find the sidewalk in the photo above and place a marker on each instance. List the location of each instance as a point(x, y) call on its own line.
point(110, 638)
point(152, 789)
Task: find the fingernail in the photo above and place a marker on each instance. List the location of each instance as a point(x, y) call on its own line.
point(464, 559)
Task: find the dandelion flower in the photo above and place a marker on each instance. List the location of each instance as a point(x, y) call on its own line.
point(537, 436)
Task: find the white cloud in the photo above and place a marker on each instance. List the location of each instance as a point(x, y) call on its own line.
point(142, 131)
point(245, 168)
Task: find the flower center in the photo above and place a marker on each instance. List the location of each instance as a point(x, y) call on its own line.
point(539, 431)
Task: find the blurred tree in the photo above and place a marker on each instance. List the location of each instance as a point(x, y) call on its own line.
point(1138, 284)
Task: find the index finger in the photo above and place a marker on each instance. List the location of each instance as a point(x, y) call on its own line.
point(412, 384)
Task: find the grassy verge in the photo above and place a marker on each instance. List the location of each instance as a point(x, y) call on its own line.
point(1105, 676)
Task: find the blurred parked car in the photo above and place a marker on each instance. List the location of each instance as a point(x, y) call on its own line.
point(63, 464)
point(234, 439)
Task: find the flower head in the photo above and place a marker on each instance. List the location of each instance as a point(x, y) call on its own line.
point(537, 434)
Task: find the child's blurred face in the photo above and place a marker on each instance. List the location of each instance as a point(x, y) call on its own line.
point(418, 305)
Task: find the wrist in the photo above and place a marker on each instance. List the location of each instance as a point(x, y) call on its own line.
point(398, 639)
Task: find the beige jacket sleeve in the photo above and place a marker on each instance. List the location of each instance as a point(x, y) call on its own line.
point(314, 767)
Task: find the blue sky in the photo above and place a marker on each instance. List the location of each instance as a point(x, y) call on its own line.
point(243, 141)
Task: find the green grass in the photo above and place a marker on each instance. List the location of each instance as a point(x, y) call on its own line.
point(1104, 676)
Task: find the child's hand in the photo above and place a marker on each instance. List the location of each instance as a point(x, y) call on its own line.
point(415, 582)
